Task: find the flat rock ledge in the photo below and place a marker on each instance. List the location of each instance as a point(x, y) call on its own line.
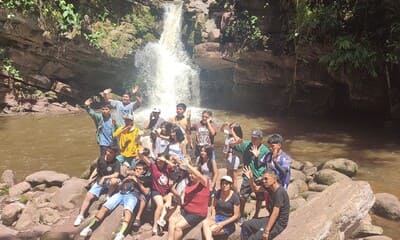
point(338, 207)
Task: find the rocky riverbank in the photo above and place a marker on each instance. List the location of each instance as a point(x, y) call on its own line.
point(325, 204)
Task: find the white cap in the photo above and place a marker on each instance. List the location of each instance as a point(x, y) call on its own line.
point(156, 110)
point(128, 116)
point(227, 178)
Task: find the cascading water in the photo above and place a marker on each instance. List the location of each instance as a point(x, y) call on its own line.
point(167, 73)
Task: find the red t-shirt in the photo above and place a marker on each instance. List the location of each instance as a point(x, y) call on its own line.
point(196, 199)
point(160, 178)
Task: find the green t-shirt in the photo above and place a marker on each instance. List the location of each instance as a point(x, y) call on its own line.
point(256, 166)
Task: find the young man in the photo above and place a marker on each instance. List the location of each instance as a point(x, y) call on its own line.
point(268, 228)
point(108, 169)
point(129, 141)
point(253, 151)
point(105, 125)
point(124, 107)
point(134, 185)
point(277, 160)
point(183, 122)
point(155, 120)
point(205, 132)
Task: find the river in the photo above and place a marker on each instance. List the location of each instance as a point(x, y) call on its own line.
point(66, 143)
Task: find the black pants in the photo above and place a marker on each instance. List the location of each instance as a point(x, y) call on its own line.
point(254, 229)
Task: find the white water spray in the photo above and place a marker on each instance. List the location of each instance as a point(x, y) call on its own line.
point(168, 75)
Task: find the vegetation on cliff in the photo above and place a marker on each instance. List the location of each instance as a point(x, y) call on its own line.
point(114, 27)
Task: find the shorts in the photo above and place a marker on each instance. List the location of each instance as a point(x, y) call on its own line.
point(97, 189)
point(233, 163)
point(228, 229)
point(192, 219)
point(127, 200)
point(245, 190)
point(155, 193)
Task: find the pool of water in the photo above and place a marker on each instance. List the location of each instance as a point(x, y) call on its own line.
point(66, 143)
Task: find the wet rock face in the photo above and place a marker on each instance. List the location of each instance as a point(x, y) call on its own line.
point(69, 67)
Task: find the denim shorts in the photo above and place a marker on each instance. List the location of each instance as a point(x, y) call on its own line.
point(228, 229)
point(127, 200)
point(97, 189)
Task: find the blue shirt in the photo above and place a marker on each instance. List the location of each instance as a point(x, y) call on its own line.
point(106, 133)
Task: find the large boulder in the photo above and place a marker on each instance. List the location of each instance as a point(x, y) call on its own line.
point(329, 177)
point(297, 174)
point(29, 217)
point(296, 187)
point(330, 213)
point(7, 233)
point(51, 178)
point(10, 213)
point(110, 224)
point(8, 177)
point(71, 193)
point(342, 165)
point(365, 230)
point(387, 206)
point(19, 189)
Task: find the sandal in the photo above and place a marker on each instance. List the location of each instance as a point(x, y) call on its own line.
point(137, 223)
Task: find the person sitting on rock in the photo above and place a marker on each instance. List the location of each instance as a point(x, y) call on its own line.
point(129, 141)
point(278, 208)
point(108, 169)
point(224, 211)
point(277, 160)
point(105, 125)
point(207, 166)
point(133, 185)
point(195, 204)
point(161, 184)
point(205, 132)
point(253, 151)
point(125, 106)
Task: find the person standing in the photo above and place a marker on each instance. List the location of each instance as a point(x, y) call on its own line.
point(268, 228)
point(253, 152)
point(205, 132)
point(183, 122)
point(277, 160)
point(105, 126)
point(124, 107)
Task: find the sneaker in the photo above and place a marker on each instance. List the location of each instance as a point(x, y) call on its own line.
point(78, 220)
point(161, 222)
point(87, 231)
point(137, 223)
point(119, 236)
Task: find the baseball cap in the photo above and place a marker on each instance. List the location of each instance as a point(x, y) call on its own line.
point(257, 133)
point(156, 110)
point(227, 178)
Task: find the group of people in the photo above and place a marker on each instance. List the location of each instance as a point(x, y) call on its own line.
point(133, 170)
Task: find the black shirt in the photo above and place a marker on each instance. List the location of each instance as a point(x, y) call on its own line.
point(225, 208)
point(105, 168)
point(280, 199)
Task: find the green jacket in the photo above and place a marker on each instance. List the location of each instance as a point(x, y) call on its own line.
point(255, 164)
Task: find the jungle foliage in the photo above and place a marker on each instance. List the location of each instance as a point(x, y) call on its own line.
point(115, 27)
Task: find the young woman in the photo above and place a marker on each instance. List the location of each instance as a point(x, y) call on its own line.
point(176, 147)
point(224, 212)
point(195, 204)
point(234, 136)
point(207, 166)
point(161, 183)
point(162, 138)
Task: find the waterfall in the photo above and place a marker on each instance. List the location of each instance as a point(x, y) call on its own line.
point(167, 74)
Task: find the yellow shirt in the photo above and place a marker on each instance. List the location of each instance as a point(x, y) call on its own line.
point(128, 141)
